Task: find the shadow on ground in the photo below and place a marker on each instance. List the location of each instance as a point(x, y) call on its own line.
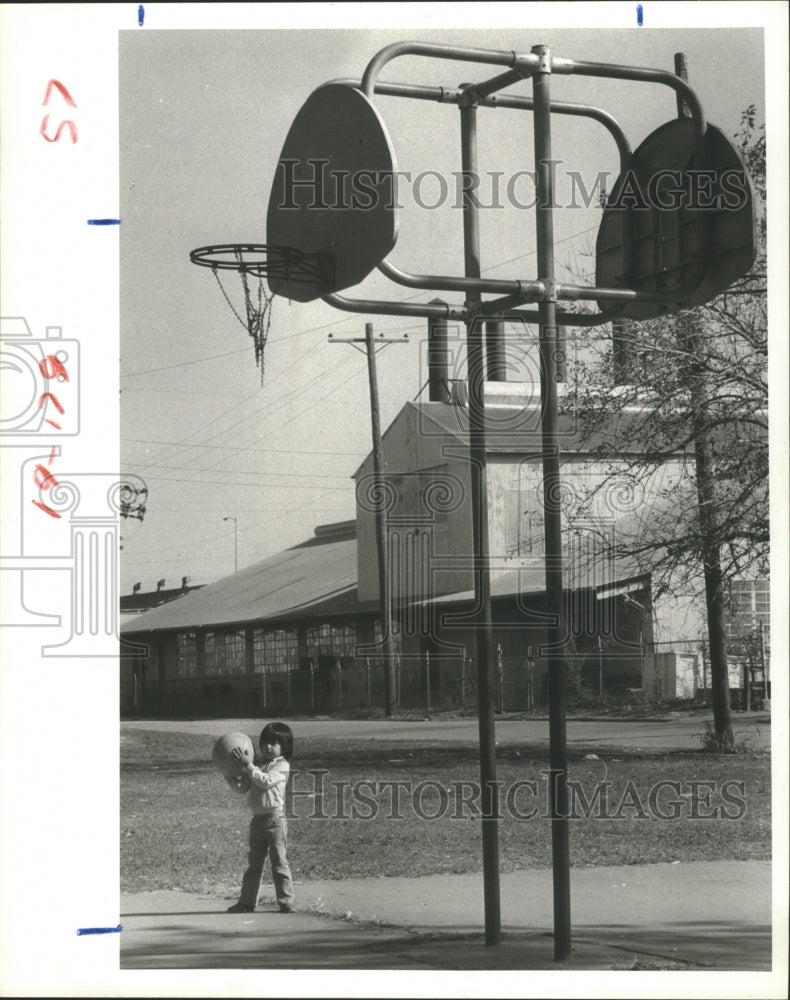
point(269, 940)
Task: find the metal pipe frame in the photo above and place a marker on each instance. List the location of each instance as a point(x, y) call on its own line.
point(445, 95)
point(522, 66)
point(428, 310)
point(556, 635)
point(493, 57)
point(476, 375)
point(539, 66)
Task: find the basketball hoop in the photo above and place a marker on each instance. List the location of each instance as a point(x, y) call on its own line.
point(255, 262)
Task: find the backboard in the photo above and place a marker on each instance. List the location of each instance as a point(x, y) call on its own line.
point(332, 193)
point(678, 214)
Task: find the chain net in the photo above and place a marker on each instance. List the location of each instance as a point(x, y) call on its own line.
point(258, 307)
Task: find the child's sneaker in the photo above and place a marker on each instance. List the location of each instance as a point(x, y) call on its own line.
point(286, 907)
point(241, 908)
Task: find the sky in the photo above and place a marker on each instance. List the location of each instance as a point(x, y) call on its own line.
point(203, 116)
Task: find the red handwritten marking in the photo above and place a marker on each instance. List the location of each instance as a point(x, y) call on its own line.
point(47, 510)
point(48, 421)
point(57, 368)
point(71, 125)
point(63, 91)
point(43, 478)
point(50, 367)
point(48, 395)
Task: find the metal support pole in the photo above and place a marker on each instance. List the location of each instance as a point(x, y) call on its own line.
point(385, 590)
point(463, 681)
point(600, 672)
point(556, 632)
point(438, 360)
point(500, 680)
point(496, 362)
point(475, 363)
point(428, 681)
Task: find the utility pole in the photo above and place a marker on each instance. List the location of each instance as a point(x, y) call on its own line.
point(385, 584)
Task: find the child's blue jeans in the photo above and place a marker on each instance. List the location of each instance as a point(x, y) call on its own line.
point(268, 837)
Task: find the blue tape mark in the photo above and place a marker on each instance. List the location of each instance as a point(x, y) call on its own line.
point(140, 15)
point(100, 930)
point(104, 222)
point(639, 14)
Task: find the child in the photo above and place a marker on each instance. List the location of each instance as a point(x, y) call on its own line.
point(265, 789)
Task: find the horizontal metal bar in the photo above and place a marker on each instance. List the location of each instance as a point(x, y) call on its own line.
point(430, 310)
point(535, 291)
point(454, 95)
point(492, 56)
point(479, 91)
point(562, 319)
point(575, 293)
point(570, 108)
point(436, 282)
point(644, 75)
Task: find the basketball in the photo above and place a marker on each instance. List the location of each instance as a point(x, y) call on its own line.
point(221, 754)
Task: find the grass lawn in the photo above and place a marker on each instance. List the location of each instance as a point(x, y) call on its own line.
point(183, 828)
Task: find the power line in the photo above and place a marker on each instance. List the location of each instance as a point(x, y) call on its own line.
point(274, 451)
point(288, 398)
point(244, 421)
point(183, 364)
point(227, 482)
point(244, 472)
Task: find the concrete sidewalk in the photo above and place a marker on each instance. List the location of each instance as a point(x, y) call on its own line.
point(694, 916)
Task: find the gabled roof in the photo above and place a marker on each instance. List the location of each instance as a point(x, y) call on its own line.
point(316, 577)
point(516, 430)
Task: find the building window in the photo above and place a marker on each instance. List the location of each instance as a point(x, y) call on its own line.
point(748, 620)
point(326, 644)
point(187, 654)
point(274, 650)
point(224, 653)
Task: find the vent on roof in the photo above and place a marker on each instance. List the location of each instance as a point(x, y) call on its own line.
point(521, 395)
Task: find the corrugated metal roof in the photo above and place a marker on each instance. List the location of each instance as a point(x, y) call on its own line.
point(318, 575)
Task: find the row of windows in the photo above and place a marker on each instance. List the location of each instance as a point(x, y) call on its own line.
point(272, 650)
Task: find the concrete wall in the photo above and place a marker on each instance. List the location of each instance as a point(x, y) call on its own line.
point(422, 534)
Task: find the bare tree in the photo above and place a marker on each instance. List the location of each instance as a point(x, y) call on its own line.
point(678, 408)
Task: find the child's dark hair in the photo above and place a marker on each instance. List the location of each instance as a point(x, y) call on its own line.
point(278, 732)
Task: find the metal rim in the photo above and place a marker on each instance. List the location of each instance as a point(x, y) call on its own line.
point(274, 259)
